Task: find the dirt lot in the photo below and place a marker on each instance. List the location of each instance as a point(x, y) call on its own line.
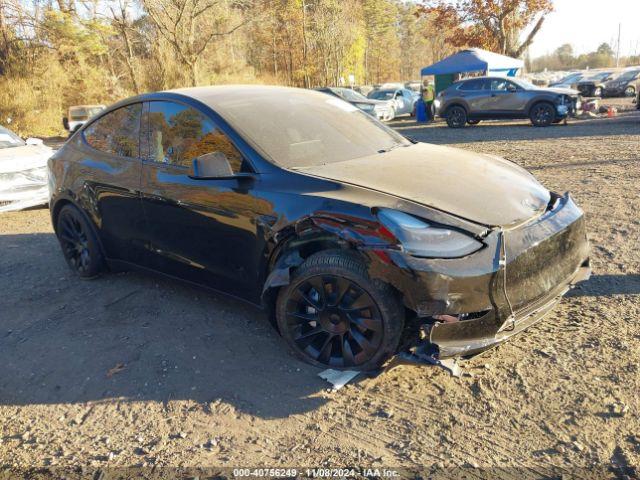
point(135, 370)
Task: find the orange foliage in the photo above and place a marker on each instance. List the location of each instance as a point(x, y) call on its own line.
point(490, 24)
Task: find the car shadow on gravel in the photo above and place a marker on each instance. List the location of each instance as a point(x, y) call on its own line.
point(607, 285)
point(501, 131)
point(136, 337)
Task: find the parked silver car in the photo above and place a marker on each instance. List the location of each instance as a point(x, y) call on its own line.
point(483, 98)
point(404, 100)
point(23, 171)
point(382, 110)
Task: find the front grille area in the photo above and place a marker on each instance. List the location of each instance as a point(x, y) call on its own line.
point(585, 90)
point(558, 247)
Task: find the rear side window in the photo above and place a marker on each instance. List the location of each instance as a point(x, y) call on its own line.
point(176, 134)
point(501, 85)
point(472, 85)
point(117, 132)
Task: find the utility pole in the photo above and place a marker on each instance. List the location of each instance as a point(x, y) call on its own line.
point(618, 47)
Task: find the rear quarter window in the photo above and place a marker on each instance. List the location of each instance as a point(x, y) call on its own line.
point(117, 132)
point(472, 85)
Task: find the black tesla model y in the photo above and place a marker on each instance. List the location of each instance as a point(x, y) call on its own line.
point(334, 223)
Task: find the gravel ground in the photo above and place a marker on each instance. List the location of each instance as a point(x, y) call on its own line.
point(133, 370)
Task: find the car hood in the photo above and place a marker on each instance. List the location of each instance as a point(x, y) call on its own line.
point(371, 101)
point(562, 91)
point(16, 159)
point(482, 188)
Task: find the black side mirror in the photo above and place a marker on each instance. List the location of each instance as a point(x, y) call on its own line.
point(65, 123)
point(211, 165)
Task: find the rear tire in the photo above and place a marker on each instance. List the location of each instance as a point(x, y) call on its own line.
point(473, 122)
point(630, 91)
point(456, 117)
point(597, 92)
point(79, 243)
point(542, 114)
point(333, 314)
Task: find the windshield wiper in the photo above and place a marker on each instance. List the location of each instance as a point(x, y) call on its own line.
point(393, 147)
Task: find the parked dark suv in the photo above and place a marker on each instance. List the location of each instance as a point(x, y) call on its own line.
point(594, 85)
point(483, 98)
point(623, 86)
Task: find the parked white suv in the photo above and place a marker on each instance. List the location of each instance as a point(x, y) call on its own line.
point(79, 114)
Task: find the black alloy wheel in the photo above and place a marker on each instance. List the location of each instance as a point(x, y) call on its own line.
point(456, 117)
point(630, 91)
point(333, 315)
point(542, 114)
point(78, 242)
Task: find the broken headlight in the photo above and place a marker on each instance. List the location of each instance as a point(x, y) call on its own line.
point(422, 239)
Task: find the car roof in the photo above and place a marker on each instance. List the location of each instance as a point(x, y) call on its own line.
point(221, 95)
point(87, 106)
point(488, 77)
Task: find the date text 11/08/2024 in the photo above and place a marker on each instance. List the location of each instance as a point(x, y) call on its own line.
point(314, 472)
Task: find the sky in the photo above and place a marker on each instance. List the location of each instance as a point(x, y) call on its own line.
point(585, 24)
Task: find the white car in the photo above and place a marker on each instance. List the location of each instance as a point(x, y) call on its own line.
point(79, 114)
point(23, 171)
point(402, 99)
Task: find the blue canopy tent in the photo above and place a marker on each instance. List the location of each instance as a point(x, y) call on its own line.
point(474, 60)
point(471, 60)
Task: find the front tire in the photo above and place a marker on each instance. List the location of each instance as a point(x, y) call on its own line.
point(542, 114)
point(597, 92)
point(456, 117)
point(79, 243)
point(333, 314)
point(630, 91)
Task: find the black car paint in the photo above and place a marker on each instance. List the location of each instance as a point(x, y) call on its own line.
point(589, 86)
point(617, 88)
point(244, 235)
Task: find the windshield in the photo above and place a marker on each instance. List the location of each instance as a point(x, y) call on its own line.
point(9, 139)
point(626, 76)
point(600, 76)
point(570, 78)
point(382, 94)
point(299, 128)
point(350, 95)
point(527, 85)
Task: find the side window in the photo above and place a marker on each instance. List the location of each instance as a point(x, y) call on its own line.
point(116, 132)
point(472, 85)
point(500, 85)
point(176, 134)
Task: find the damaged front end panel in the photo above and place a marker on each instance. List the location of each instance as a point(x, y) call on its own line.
point(473, 303)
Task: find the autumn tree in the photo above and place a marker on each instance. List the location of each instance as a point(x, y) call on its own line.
point(191, 25)
point(494, 25)
point(382, 53)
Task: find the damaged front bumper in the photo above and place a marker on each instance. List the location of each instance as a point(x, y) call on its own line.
point(22, 190)
point(499, 291)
